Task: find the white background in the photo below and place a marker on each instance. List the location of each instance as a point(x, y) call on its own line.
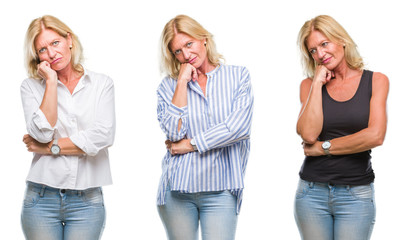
point(121, 39)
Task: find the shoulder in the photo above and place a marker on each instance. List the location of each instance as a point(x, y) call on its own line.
point(167, 84)
point(306, 83)
point(94, 76)
point(379, 77)
point(98, 79)
point(380, 81)
point(380, 84)
point(234, 73)
point(234, 68)
point(31, 82)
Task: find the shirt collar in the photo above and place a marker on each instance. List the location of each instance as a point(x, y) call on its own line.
point(215, 70)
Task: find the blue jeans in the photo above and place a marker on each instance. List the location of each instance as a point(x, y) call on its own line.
point(54, 214)
point(215, 211)
point(339, 212)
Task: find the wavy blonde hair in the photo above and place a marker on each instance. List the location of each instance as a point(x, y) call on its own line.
point(335, 33)
point(184, 24)
point(52, 23)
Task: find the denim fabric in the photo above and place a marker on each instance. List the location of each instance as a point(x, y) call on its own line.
point(334, 212)
point(215, 212)
point(54, 214)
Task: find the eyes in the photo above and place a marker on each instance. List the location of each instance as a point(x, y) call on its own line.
point(43, 49)
point(179, 51)
point(322, 45)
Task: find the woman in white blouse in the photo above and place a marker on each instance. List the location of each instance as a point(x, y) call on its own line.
point(205, 110)
point(70, 118)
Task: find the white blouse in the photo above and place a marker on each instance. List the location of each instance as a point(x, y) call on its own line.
point(87, 117)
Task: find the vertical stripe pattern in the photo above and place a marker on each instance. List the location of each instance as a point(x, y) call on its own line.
point(220, 123)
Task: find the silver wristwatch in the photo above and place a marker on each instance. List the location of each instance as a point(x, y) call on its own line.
point(193, 143)
point(55, 149)
point(326, 146)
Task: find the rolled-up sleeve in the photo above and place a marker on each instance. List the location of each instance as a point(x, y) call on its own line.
point(37, 124)
point(101, 133)
point(170, 115)
point(237, 126)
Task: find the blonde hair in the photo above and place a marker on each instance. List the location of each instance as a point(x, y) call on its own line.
point(184, 24)
point(52, 23)
point(335, 33)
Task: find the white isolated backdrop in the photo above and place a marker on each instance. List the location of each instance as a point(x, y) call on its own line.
point(121, 39)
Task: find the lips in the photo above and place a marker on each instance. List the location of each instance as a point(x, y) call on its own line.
point(55, 61)
point(326, 60)
point(192, 60)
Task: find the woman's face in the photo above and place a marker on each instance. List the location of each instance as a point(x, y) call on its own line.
point(189, 50)
point(54, 49)
point(323, 51)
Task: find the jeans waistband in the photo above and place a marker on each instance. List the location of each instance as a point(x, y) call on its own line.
point(330, 185)
point(41, 188)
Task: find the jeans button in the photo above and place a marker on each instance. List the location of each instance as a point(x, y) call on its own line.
point(62, 190)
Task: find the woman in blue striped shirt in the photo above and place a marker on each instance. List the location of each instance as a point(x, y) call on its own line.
point(205, 110)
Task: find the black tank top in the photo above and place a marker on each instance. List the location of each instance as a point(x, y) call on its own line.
point(341, 119)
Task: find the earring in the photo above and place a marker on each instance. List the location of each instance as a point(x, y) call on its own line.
point(205, 44)
point(71, 46)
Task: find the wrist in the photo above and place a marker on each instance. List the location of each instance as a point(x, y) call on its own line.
point(326, 145)
point(193, 144)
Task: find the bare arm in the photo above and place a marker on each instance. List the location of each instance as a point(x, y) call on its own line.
point(310, 121)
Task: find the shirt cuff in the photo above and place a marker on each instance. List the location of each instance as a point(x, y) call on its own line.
point(177, 111)
point(41, 121)
point(201, 144)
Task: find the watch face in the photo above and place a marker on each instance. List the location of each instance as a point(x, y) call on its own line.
point(326, 145)
point(55, 149)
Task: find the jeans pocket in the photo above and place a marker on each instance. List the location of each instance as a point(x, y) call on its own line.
point(303, 189)
point(362, 191)
point(31, 198)
point(93, 197)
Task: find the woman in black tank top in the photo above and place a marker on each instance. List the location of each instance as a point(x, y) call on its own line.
point(343, 117)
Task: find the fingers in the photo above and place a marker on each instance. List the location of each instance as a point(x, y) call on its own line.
point(194, 74)
point(188, 73)
point(27, 138)
point(45, 71)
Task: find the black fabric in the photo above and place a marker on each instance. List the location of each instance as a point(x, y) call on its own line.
point(341, 119)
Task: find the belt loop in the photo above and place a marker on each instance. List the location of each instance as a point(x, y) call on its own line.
point(311, 184)
point(43, 189)
point(348, 187)
point(79, 193)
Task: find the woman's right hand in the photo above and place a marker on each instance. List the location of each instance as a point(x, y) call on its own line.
point(187, 73)
point(323, 75)
point(46, 72)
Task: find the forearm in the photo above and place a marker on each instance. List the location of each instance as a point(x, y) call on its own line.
point(361, 141)
point(310, 121)
point(49, 104)
point(68, 147)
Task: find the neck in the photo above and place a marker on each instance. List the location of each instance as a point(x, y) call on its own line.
point(342, 71)
point(206, 67)
point(67, 74)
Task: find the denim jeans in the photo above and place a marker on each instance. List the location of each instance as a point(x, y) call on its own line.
point(54, 214)
point(339, 212)
point(214, 211)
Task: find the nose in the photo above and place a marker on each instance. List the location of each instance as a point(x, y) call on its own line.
point(186, 54)
point(51, 52)
point(320, 52)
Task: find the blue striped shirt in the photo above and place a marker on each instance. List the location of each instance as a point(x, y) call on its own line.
point(220, 124)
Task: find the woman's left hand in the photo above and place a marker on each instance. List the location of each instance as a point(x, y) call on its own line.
point(313, 150)
point(181, 147)
point(35, 146)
